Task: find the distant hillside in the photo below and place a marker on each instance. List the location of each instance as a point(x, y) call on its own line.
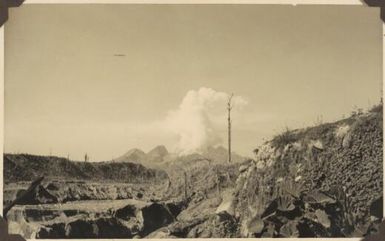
point(134, 155)
point(25, 167)
point(157, 154)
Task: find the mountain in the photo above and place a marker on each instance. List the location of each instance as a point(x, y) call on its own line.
point(157, 154)
point(134, 155)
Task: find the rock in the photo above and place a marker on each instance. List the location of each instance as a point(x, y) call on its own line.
point(317, 144)
point(322, 218)
point(311, 216)
point(346, 141)
point(255, 226)
point(297, 178)
point(270, 231)
point(126, 213)
point(39, 195)
point(52, 231)
point(139, 195)
point(376, 208)
point(342, 130)
point(65, 191)
point(289, 229)
point(318, 197)
point(184, 229)
point(160, 233)
point(270, 209)
point(114, 228)
point(223, 216)
point(243, 168)
point(81, 229)
point(279, 180)
point(52, 187)
point(154, 217)
point(227, 204)
point(92, 219)
point(175, 207)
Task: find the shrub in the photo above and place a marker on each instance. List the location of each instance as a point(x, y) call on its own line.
point(284, 138)
point(376, 108)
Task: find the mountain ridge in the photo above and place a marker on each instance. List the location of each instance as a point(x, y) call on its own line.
point(160, 155)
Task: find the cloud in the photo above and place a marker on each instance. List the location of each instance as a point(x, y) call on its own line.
point(192, 122)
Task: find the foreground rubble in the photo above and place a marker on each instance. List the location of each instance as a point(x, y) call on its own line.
point(90, 219)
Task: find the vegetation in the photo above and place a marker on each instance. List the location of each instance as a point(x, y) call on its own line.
point(284, 138)
point(377, 108)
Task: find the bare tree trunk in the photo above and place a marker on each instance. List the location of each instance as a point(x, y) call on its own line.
point(229, 107)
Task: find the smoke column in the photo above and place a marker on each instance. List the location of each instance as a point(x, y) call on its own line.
point(193, 122)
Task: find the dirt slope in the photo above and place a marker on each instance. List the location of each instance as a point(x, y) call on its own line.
point(319, 181)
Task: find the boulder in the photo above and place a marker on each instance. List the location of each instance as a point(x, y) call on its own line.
point(243, 168)
point(289, 229)
point(155, 216)
point(255, 226)
point(318, 197)
point(323, 218)
point(52, 231)
point(82, 229)
point(376, 208)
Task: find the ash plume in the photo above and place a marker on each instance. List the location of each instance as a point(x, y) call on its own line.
point(195, 121)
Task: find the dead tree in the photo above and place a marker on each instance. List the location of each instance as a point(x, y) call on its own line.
point(86, 157)
point(229, 107)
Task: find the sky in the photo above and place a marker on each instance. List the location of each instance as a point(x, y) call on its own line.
point(102, 79)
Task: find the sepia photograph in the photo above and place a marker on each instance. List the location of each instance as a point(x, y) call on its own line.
point(131, 121)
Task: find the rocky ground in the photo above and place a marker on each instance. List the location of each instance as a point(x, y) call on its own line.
point(323, 181)
point(189, 200)
point(90, 219)
point(53, 192)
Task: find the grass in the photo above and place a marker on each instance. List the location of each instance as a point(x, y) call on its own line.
point(323, 131)
point(286, 137)
point(376, 108)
